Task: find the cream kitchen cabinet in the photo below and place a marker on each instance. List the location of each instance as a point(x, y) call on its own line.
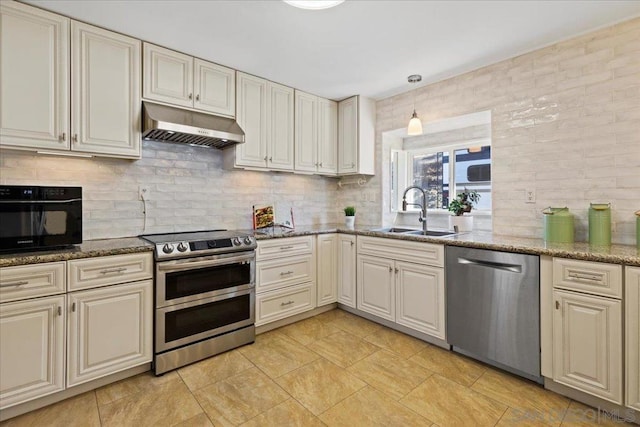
point(327, 256)
point(34, 78)
point(356, 136)
point(315, 134)
point(402, 282)
point(110, 329)
point(175, 78)
point(102, 115)
point(266, 114)
point(32, 349)
point(632, 327)
point(587, 331)
point(285, 278)
point(347, 270)
point(30, 281)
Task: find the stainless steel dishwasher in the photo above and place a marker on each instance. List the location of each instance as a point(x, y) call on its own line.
point(493, 308)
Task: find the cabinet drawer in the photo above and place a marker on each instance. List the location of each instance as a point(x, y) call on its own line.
point(93, 272)
point(279, 248)
point(590, 277)
point(276, 305)
point(35, 280)
point(417, 252)
point(285, 272)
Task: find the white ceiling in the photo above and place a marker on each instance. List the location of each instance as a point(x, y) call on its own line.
point(359, 47)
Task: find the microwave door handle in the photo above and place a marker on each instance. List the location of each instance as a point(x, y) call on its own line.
point(40, 202)
point(190, 264)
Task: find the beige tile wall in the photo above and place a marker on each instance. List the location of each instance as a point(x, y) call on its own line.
point(189, 190)
point(565, 123)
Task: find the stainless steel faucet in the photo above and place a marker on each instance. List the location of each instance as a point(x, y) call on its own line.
point(423, 207)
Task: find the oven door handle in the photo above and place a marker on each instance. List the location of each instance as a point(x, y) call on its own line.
point(189, 264)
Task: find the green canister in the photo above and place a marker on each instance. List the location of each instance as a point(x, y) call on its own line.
point(638, 229)
point(558, 225)
point(600, 224)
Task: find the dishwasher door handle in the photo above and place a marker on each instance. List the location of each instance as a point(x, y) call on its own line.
point(514, 268)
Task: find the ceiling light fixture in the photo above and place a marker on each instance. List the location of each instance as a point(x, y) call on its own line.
point(313, 4)
point(415, 125)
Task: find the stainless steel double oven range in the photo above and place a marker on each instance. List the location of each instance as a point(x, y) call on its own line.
point(205, 295)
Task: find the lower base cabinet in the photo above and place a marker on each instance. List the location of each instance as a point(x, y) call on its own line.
point(632, 327)
point(32, 349)
point(347, 270)
point(282, 303)
point(110, 330)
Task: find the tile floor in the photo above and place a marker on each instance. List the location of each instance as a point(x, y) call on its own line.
point(334, 369)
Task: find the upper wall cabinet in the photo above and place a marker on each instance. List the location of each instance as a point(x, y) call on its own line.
point(316, 132)
point(356, 136)
point(34, 78)
point(265, 113)
point(102, 117)
point(179, 79)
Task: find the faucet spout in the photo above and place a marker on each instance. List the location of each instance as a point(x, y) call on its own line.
point(423, 206)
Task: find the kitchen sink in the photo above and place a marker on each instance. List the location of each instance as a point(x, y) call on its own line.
point(434, 233)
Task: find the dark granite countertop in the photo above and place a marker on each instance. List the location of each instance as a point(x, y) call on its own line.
point(88, 249)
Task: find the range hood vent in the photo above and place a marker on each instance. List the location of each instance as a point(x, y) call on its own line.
point(172, 124)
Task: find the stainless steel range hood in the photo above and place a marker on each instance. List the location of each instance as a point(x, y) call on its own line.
point(173, 124)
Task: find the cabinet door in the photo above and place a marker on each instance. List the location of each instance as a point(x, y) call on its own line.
point(347, 270)
point(105, 92)
point(348, 135)
point(34, 78)
point(110, 330)
point(587, 344)
point(375, 283)
point(168, 76)
point(632, 327)
point(280, 133)
point(251, 115)
point(306, 135)
point(327, 269)
point(420, 298)
point(215, 88)
point(32, 350)
point(327, 136)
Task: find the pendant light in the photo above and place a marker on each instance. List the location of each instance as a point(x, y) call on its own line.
point(415, 125)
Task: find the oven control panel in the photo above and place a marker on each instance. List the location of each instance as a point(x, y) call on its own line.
point(179, 249)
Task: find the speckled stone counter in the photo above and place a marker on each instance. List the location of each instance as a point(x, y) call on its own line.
point(618, 254)
point(88, 249)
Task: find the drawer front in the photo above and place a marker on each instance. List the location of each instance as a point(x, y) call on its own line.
point(590, 277)
point(35, 280)
point(109, 270)
point(285, 272)
point(279, 248)
point(276, 305)
point(402, 250)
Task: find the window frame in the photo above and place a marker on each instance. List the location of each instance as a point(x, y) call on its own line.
point(405, 171)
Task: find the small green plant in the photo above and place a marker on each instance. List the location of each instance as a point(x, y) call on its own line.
point(464, 202)
point(350, 211)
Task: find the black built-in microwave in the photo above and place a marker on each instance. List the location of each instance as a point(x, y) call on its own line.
point(33, 217)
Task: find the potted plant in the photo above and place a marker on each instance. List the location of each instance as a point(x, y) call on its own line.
point(463, 202)
point(349, 216)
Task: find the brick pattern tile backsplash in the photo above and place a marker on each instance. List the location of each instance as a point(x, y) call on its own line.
point(565, 123)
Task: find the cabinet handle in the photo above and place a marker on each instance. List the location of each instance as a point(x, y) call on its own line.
point(285, 247)
point(397, 271)
point(286, 303)
point(73, 307)
point(20, 283)
point(578, 276)
point(198, 97)
point(59, 311)
point(118, 270)
point(286, 273)
point(557, 305)
point(351, 243)
point(63, 137)
point(190, 96)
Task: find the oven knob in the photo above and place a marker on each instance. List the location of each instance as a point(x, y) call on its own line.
point(167, 248)
point(236, 241)
point(247, 240)
point(182, 247)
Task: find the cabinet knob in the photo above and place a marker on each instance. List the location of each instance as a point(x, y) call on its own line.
point(59, 311)
point(351, 243)
point(63, 136)
point(390, 269)
point(557, 305)
point(271, 159)
point(75, 137)
point(73, 307)
point(397, 271)
point(265, 158)
point(198, 97)
point(320, 164)
point(190, 96)
point(353, 165)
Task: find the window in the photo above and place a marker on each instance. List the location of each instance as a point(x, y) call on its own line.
point(443, 172)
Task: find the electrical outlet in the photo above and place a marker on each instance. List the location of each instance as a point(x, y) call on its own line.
point(529, 196)
point(143, 192)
